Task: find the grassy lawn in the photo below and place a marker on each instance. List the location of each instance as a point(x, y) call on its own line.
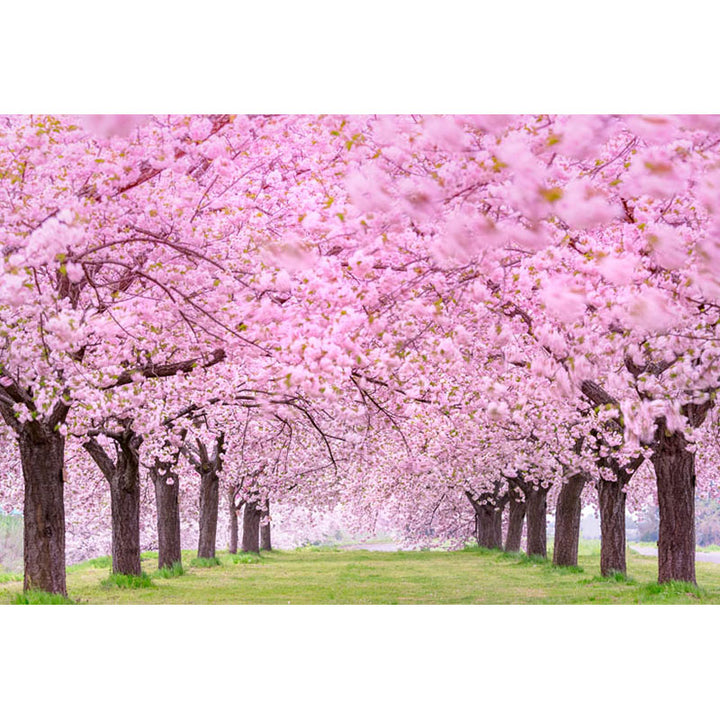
point(321, 576)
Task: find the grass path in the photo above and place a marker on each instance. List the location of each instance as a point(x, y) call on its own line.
point(322, 576)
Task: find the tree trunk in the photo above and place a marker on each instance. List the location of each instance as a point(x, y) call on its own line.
point(488, 518)
point(251, 528)
point(489, 522)
point(516, 519)
point(125, 508)
point(536, 505)
point(612, 498)
point(168, 514)
point(483, 519)
point(209, 499)
point(567, 521)
point(265, 538)
point(675, 474)
point(123, 477)
point(42, 454)
point(233, 518)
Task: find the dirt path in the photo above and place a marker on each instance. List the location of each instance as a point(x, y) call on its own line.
point(713, 557)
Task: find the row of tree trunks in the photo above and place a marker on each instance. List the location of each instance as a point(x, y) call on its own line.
point(256, 525)
point(42, 452)
point(42, 458)
point(674, 467)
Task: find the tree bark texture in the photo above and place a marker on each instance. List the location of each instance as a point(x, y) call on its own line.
point(168, 513)
point(209, 468)
point(251, 528)
point(516, 518)
point(536, 508)
point(675, 475)
point(488, 508)
point(568, 512)
point(42, 455)
point(265, 535)
point(489, 523)
point(233, 511)
point(209, 500)
point(123, 476)
point(611, 497)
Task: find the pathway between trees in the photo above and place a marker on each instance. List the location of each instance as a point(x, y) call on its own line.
point(713, 557)
point(379, 547)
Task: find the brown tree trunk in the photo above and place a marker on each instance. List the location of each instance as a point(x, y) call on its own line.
point(536, 507)
point(209, 469)
point(168, 513)
point(251, 528)
point(42, 454)
point(209, 500)
point(568, 512)
point(125, 508)
point(611, 500)
point(675, 475)
point(516, 519)
point(233, 520)
point(265, 537)
point(123, 477)
point(489, 519)
point(612, 526)
point(493, 537)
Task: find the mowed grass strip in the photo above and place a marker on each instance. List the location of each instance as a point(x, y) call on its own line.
point(331, 576)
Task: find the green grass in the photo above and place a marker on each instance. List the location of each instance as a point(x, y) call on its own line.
point(469, 576)
point(127, 582)
point(246, 558)
point(205, 562)
point(170, 572)
point(10, 577)
point(37, 597)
